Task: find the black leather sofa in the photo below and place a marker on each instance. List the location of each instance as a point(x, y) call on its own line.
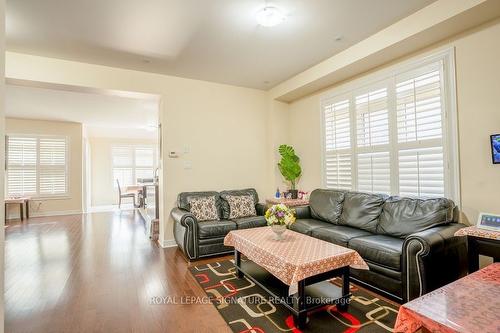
point(203, 239)
point(409, 244)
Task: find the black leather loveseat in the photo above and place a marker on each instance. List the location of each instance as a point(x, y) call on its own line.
point(203, 239)
point(409, 244)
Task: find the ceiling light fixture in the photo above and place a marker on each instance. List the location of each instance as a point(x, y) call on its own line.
point(270, 16)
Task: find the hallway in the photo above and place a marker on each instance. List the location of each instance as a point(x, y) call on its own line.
point(96, 273)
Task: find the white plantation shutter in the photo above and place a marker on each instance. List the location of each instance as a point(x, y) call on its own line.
point(144, 162)
point(337, 164)
point(420, 112)
point(421, 172)
point(372, 132)
point(21, 165)
point(122, 156)
point(419, 106)
point(52, 166)
point(131, 162)
point(391, 136)
point(372, 118)
point(374, 172)
point(338, 171)
point(36, 166)
point(124, 175)
point(337, 128)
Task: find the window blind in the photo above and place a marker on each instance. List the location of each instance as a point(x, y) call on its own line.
point(131, 162)
point(36, 166)
point(421, 172)
point(372, 118)
point(374, 172)
point(419, 108)
point(337, 138)
point(52, 166)
point(387, 137)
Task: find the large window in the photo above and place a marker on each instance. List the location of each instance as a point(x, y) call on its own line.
point(131, 162)
point(393, 135)
point(37, 166)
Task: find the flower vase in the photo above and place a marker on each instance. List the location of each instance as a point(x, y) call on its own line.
point(279, 230)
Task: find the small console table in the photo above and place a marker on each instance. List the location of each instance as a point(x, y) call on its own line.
point(480, 241)
point(287, 202)
point(22, 202)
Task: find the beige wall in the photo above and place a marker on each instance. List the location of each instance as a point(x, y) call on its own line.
point(72, 130)
point(478, 86)
point(2, 156)
point(103, 192)
point(224, 127)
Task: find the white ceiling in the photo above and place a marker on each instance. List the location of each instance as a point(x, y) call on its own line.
point(103, 115)
point(213, 40)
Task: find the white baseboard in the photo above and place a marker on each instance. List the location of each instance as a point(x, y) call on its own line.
point(109, 208)
point(167, 243)
point(15, 215)
point(55, 213)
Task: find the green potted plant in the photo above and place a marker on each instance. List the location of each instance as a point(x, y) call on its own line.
point(289, 167)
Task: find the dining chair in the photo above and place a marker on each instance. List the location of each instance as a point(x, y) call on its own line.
point(124, 195)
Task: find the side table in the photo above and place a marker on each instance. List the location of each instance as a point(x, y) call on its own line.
point(480, 241)
point(287, 202)
point(21, 201)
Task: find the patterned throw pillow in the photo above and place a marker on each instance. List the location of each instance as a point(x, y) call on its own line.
point(204, 208)
point(241, 206)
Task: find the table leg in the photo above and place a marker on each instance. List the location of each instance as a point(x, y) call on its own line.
point(302, 316)
point(21, 213)
point(237, 263)
point(344, 302)
point(473, 254)
point(27, 209)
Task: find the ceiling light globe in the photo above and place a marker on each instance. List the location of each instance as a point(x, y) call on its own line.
point(270, 16)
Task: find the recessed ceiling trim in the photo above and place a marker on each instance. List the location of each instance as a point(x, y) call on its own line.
point(82, 89)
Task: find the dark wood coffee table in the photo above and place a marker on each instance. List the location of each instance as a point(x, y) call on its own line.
point(295, 271)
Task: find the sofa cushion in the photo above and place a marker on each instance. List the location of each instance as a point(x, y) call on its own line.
point(404, 216)
point(339, 234)
point(210, 229)
point(326, 205)
point(305, 226)
point(250, 222)
point(362, 210)
point(241, 206)
point(225, 204)
point(380, 249)
point(204, 208)
point(184, 197)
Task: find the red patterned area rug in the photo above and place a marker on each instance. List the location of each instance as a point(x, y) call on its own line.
point(247, 308)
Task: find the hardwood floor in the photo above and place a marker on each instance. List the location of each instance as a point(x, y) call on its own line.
point(97, 273)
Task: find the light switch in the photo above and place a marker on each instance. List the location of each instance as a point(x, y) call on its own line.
point(186, 149)
point(188, 165)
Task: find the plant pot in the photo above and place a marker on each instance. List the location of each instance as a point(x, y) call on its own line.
point(279, 230)
point(294, 193)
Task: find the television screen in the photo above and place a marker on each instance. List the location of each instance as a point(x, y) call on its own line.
point(495, 148)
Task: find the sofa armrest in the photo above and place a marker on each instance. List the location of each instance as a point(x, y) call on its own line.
point(302, 212)
point(184, 217)
point(186, 232)
point(261, 209)
point(433, 258)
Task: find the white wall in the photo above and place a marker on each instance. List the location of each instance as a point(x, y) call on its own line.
point(73, 202)
point(103, 192)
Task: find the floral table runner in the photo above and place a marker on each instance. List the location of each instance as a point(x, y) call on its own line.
point(294, 258)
